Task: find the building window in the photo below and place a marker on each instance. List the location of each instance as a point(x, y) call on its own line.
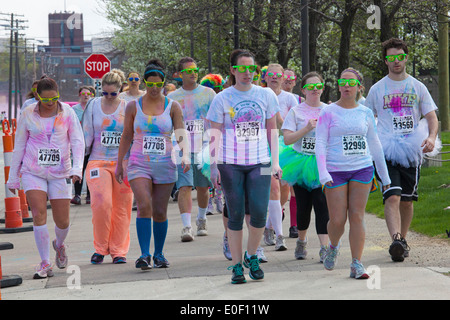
point(72, 70)
point(71, 60)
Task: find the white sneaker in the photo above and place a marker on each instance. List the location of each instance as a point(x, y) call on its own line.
point(260, 254)
point(280, 244)
point(61, 256)
point(186, 234)
point(269, 238)
point(43, 270)
point(201, 227)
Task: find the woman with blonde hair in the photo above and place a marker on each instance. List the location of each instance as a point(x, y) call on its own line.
point(103, 123)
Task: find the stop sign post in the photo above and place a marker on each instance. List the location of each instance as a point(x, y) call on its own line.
point(96, 66)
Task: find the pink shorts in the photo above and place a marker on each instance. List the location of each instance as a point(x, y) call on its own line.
point(55, 188)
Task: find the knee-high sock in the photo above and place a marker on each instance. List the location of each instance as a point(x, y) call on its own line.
point(144, 234)
point(61, 235)
point(276, 216)
point(293, 211)
point(159, 234)
point(42, 238)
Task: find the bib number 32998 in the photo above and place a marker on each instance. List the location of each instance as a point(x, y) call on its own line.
point(354, 145)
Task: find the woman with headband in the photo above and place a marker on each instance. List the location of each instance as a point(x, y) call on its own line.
point(152, 172)
point(103, 124)
point(346, 146)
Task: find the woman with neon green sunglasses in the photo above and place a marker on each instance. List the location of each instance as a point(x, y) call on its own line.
point(48, 132)
point(148, 127)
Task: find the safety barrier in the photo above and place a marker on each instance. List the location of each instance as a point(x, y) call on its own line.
point(13, 206)
point(7, 281)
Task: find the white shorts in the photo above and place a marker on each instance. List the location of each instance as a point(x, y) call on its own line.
point(55, 188)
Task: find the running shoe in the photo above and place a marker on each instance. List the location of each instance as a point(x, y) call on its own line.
point(201, 227)
point(322, 253)
point(293, 232)
point(398, 248)
point(210, 208)
point(119, 260)
point(357, 270)
point(97, 258)
point(330, 258)
point(256, 273)
point(76, 200)
point(226, 247)
point(280, 244)
point(300, 249)
point(186, 234)
point(269, 238)
point(43, 270)
point(159, 261)
point(219, 203)
point(144, 262)
point(61, 257)
point(260, 253)
point(237, 272)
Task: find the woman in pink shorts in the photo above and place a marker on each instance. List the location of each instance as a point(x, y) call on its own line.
point(46, 134)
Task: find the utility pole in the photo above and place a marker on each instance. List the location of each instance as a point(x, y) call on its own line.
point(236, 24)
point(305, 36)
point(443, 68)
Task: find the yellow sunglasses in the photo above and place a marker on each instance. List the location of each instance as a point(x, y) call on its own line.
point(47, 100)
point(157, 84)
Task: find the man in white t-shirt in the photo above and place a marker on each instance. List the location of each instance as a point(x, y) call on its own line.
point(400, 101)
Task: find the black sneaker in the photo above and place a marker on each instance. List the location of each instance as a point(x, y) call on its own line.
point(398, 248)
point(97, 258)
point(255, 272)
point(144, 262)
point(293, 232)
point(159, 261)
point(237, 274)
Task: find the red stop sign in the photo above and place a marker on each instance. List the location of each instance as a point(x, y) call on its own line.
point(97, 65)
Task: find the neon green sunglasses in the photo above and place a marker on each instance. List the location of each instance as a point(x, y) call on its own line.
point(351, 82)
point(47, 100)
point(311, 86)
point(190, 70)
point(242, 69)
point(399, 57)
point(157, 84)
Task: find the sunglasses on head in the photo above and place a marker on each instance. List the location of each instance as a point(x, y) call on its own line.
point(47, 100)
point(133, 79)
point(271, 74)
point(190, 70)
point(351, 82)
point(157, 84)
point(311, 86)
point(242, 69)
point(112, 94)
point(399, 57)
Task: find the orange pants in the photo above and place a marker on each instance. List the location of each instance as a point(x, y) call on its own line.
point(111, 204)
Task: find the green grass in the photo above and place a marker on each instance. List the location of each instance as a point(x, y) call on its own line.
point(430, 218)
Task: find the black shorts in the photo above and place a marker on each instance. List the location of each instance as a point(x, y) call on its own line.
point(404, 182)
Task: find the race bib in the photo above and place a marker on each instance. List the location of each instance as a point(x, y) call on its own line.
point(195, 126)
point(49, 157)
point(308, 145)
point(111, 139)
point(354, 145)
point(154, 145)
point(403, 124)
point(248, 131)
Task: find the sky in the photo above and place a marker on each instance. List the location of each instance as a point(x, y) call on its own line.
point(36, 14)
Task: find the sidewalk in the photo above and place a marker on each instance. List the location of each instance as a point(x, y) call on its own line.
point(198, 269)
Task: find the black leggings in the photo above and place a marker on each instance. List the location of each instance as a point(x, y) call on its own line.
point(305, 201)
